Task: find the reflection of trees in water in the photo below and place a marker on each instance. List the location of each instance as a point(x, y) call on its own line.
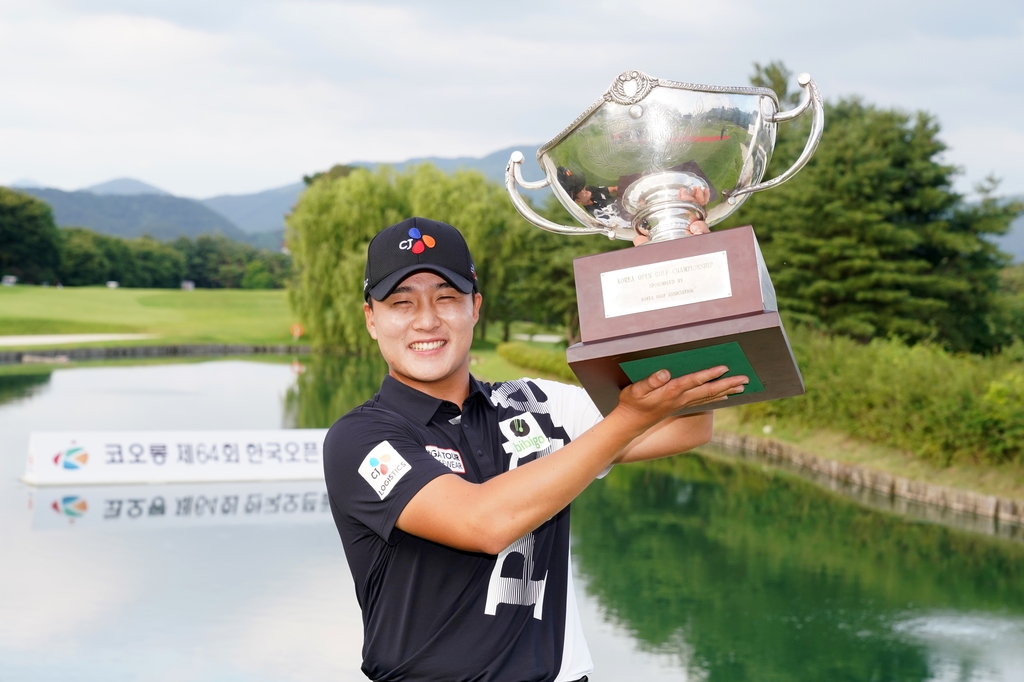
point(329, 387)
point(15, 386)
point(755, 576)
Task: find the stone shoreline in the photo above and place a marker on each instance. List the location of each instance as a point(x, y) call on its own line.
point(114, 353)
point(997, 510)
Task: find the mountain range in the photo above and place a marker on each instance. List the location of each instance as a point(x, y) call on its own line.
point(127, 207)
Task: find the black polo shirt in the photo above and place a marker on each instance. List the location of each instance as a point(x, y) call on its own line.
point(431, 612)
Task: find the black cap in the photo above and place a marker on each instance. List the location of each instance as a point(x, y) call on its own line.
point(571, 182)
point(417, 245)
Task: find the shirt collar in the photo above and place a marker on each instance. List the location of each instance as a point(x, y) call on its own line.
point(418, 405)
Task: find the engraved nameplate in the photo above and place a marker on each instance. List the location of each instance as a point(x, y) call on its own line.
point(666, 284)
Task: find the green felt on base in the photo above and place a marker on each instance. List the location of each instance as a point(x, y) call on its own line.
point(690, 361)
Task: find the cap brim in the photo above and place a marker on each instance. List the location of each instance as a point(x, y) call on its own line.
point(383, 288)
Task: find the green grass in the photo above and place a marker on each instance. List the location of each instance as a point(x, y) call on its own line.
point(173, 317)
point(799, 429)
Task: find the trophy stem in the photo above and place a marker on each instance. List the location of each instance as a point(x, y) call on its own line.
point(668, 220)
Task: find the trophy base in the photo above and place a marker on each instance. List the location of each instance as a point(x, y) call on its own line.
point(752, 345)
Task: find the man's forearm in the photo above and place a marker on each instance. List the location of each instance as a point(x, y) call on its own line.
point(671, 437)
point(496, 513)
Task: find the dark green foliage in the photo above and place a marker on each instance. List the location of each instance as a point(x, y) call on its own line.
point(941, 406)
point(544, 289)
point(88, 258)
point(29, 240)
point(215, 262)
point(336, 171)
point(869, 240)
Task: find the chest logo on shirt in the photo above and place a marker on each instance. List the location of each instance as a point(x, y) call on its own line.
point(523, 436)
point(383, 468)
point(450, 458)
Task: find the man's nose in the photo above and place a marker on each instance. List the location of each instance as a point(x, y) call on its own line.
point(426, 317)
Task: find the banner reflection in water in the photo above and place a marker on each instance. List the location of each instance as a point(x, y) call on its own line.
point(151, 507)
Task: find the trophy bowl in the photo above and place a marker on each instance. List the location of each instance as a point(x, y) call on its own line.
point(664, 159)
point(652, 155)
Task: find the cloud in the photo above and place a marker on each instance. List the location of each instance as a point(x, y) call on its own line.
point(204, 98)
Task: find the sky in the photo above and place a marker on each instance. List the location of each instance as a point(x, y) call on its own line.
point(212, 97)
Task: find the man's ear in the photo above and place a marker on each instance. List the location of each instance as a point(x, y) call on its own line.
point(370, 326)
point(477, 302)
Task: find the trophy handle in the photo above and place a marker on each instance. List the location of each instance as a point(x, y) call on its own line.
point(812, 99)
point(514, 177)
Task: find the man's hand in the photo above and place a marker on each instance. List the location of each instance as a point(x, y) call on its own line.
point(698, 195)
point(648, 402)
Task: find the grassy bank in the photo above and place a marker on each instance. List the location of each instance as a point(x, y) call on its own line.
point(171, 316)
point(915, 412)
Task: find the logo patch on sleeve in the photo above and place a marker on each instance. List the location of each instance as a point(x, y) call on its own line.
point(450, 458)
point(523, 435)
point(383, 468)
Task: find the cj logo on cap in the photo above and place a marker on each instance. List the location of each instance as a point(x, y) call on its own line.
point(417, 242)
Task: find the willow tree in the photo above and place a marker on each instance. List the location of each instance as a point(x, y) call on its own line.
point(336, 218)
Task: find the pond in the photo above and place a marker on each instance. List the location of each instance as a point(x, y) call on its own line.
point(693, 568)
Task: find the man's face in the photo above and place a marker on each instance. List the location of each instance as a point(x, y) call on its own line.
point(424, 330)
point(583, 197)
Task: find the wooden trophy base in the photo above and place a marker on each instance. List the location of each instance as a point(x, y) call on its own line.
point(685, 305)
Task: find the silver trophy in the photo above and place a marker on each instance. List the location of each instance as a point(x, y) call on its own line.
point(663, 160)
point(652, 155)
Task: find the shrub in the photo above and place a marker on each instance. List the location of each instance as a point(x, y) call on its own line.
point(531, 357)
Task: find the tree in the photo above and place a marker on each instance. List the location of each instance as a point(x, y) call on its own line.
point(775, 75)
point(82, 260)
point(545, 287)
point(157, 265)
point(870, 240)
point(29, 240)
point(330, 228)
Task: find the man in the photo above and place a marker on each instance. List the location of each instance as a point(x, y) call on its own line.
point(590, 197)
point(451, 495)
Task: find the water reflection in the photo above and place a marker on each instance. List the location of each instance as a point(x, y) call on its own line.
point(329, 386)
point(714, 570)
point(746, 575)
point(152, 507)
point(17, 386)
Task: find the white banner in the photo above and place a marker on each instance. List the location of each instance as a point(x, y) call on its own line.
point(63, 458)
point(150, 507)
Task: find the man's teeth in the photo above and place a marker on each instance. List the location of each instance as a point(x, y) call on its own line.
point(427, 346)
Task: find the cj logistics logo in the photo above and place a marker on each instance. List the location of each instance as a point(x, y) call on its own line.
point(417, 242)
point(381, 465)
point(73, 457)
point(382, 468)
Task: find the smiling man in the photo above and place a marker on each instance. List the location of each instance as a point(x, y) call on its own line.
point(452, 495)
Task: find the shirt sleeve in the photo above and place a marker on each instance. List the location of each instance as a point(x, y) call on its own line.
point(373, 466)
point(571, 407)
